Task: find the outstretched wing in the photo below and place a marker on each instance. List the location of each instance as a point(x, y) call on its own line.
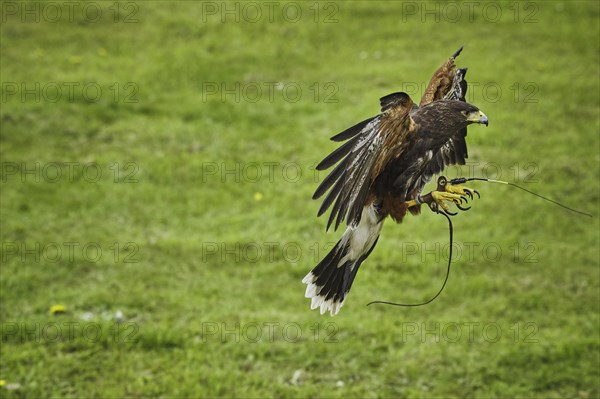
point(448, 83)
point(371, 144)
point(441, 82)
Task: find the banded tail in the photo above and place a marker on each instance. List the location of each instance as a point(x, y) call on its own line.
point(329, 282)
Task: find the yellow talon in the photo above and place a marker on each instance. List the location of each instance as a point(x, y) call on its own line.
point(440, 196)
point(460, 190)
point(446, 192)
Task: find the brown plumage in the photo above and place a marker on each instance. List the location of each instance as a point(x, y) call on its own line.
point(385, 162)
point(441, 81)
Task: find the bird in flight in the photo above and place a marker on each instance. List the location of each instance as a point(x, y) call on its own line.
point(381, 171)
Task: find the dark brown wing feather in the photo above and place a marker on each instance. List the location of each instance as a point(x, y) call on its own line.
point(395, 101)
point(372, 143)
point(352, 131)
point(454, 152)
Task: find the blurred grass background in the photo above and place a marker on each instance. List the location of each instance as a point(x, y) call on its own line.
point(199, 254)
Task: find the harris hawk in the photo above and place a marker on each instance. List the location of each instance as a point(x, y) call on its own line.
point(381, 171)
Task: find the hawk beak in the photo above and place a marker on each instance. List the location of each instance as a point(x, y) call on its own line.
point(478, 117)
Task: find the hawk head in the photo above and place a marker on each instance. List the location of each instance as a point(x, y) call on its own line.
point(452, 115)
point(462, 114)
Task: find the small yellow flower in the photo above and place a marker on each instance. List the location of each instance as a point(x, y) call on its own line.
point(2, 383)
point(75, 59)
point(57, 309)
point(258, 196)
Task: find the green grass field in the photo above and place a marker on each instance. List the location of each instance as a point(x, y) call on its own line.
point(157, 173)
